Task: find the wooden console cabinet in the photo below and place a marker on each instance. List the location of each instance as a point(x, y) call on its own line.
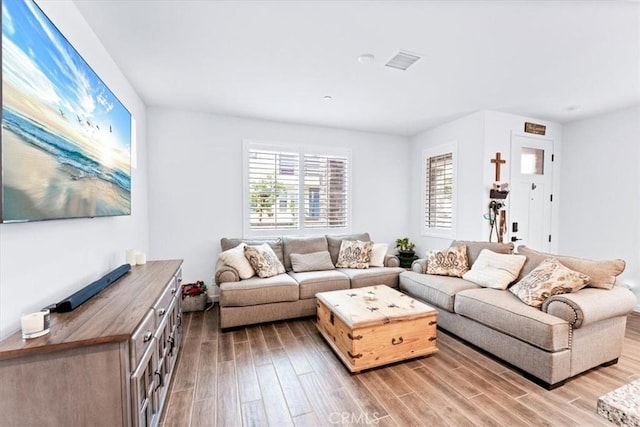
point(107, 363)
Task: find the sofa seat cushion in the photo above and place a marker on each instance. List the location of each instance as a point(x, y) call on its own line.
point(254, 291)
point(439, 291)
point(373, 276)
point(504, 312)
point(312, 282)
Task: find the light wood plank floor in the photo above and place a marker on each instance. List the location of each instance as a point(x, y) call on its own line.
point(283, 374)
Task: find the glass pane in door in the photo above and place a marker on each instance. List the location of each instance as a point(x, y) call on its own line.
point(531, 161)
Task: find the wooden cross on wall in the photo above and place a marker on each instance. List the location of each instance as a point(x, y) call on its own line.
point(498, 162)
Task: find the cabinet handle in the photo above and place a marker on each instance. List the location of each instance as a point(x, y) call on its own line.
point(147, 337)
point(161, 312)
point(173, 291)
point(160, 380)
point(172, 343)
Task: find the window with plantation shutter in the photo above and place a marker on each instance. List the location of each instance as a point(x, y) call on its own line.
point(273, 190)
point(325, 188)
point(293, 189)
point(439, 186)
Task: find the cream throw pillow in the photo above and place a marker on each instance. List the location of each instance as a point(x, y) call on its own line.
point(235, 258)
point(548, 279)
point(354, 254)
point(378, 252)
point(263, 260)
point(494, 270)
point(452, 261)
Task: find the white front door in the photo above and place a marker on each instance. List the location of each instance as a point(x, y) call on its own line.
point(530, 198)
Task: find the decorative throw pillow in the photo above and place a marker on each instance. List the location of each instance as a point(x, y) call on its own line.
point(448, 262)
point(263, 260)
point(548, 279)
point(235, 258)
point(378, 252)
point(493, 270)
point(602, 273)
point(314, 261)
point(354, 254)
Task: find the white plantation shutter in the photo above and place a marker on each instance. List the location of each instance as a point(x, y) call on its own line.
point(439, 197)
point(292, 189)
point(325, 191)
point(273, 190)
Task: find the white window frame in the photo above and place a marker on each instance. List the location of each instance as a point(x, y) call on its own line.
point(439, 150)
point(301, 150)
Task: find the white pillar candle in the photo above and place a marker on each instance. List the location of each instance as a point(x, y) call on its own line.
point(33, 325)
point(131, 256)
point(141, 258)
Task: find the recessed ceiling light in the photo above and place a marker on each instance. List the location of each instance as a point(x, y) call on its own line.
point(366, 57)
point(328, 98)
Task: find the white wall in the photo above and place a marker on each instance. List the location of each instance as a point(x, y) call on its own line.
point(43, 262)
point(468, 133)
point(498, 130)
point(195, 176)
point(479, 136)
point(600, 214)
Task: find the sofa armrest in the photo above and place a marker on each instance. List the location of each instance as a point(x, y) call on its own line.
point(391, 261)
point(419, 266)
point(224, 273)
point(590, 305)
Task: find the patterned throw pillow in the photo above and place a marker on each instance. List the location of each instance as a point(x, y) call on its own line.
point(494, 270)
point(354, 254)
point(448, 262)
point(235, 258)
point(263, 260)
point(548, 279)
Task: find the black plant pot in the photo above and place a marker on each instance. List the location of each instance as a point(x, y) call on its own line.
point(406, 258)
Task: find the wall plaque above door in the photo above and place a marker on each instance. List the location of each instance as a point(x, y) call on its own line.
point(535, 128)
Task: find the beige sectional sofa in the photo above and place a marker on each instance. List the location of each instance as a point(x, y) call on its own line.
point(569, 334)
point(292, 294)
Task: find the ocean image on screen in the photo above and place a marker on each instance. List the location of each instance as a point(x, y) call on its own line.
point(66, 138)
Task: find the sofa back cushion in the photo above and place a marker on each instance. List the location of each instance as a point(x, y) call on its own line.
point(302, 245)
point(336, 240)
point(474, 248)
point(602, 273)
point(275, 243)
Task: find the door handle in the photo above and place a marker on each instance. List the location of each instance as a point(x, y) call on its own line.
point(514, 239)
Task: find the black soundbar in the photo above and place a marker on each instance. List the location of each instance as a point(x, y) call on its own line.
point(73, 301)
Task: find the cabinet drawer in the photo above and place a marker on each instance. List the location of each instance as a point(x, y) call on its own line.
point(161, 307)
point(141, 338)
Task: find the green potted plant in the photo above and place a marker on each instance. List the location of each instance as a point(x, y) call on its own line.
point(406, 252)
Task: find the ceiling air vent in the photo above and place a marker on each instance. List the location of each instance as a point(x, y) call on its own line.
point(402, 60)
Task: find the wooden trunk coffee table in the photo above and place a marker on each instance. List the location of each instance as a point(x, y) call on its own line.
point(376, 325)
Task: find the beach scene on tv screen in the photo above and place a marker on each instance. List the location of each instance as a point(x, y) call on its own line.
point(66, 138)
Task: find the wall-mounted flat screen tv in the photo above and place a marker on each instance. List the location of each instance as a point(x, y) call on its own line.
point(66, 138)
